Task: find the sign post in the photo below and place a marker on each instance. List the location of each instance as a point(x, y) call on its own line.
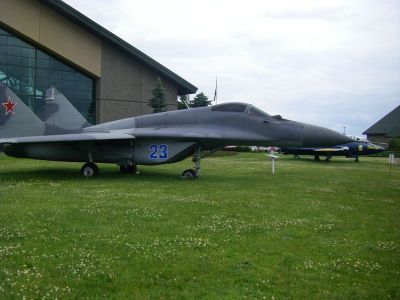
point(391, 161)
point(273, 158)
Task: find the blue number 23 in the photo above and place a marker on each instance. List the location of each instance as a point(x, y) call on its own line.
point(158, 151)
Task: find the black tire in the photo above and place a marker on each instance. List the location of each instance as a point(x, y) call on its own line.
point(189, 174)
point(90, 170)
point(122, 168)
point(128, 169)
point(131, 169)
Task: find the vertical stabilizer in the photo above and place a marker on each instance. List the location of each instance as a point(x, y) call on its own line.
point(60, 114)
point(16, 119)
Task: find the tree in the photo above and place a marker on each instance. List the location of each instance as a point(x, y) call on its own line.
point(182, 100)
point(394, 144)
point(158, 101)
point(200, 100)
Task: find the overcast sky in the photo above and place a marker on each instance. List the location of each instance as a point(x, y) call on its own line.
point(329, 63)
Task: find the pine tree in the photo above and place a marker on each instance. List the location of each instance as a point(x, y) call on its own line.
point(158, 101)
point(182, 100)
point(200, 100)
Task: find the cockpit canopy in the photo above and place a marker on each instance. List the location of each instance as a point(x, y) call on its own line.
point(230, 107)
point(241, 108)
point(256, 112)
point(359, 139)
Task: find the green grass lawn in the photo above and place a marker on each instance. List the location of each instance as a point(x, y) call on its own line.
point(314, 230)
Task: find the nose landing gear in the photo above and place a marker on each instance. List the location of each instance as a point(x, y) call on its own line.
point(194, 173)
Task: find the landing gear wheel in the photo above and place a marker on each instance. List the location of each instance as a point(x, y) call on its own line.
point(128, 169)
point(131, 169)
point(189, 174)
point(90, 170)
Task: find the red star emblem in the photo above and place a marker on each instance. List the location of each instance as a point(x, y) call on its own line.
point(9, 106)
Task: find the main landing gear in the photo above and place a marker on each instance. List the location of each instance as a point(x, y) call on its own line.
point(90, 169)
point(128, 169)
point(190, 173)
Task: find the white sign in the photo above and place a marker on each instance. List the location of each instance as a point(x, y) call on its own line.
point(273, 158)
point(391, 158)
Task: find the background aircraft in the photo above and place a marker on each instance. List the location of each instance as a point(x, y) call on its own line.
point(351, 150)
point(157, 138)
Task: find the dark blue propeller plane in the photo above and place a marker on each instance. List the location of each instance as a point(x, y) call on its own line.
point(353, 149)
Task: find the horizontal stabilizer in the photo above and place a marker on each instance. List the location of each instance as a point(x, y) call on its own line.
point(79, 137)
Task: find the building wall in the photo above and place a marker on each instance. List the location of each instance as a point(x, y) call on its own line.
point(29, 71)
point(47, 28)
point(125, 86)
point(148, 84)
point(379, 139)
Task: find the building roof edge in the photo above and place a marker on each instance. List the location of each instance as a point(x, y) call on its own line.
point(386, 124)
point(184, 87)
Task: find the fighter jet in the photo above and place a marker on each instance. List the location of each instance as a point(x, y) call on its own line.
point(162, 138)
point(353, 149)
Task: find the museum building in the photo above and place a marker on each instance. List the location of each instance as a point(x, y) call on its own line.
point(45, 43)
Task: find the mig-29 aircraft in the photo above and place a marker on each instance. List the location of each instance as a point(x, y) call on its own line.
point(154, 139)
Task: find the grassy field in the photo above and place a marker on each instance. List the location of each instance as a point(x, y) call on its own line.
point(314, 230)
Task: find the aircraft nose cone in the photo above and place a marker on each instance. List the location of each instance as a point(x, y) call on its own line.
point(315, 136)
point(375, 148)
point(380, 148)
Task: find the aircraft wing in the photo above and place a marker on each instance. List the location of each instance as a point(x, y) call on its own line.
point(135, 133)
point(184, 133)
point(335, 149)
point(78, 137)
point(177, 134)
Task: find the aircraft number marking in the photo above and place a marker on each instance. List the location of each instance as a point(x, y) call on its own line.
point(158, 151)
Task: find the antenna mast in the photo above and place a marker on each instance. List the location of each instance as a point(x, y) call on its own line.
point(216, 88)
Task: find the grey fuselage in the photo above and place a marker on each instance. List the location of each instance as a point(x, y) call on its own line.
point(180, 132)
point(212, 128)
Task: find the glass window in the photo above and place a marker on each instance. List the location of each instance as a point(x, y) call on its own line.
point(29, 72)
point(2, 32)
point(256, 112)
point(231, 107)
